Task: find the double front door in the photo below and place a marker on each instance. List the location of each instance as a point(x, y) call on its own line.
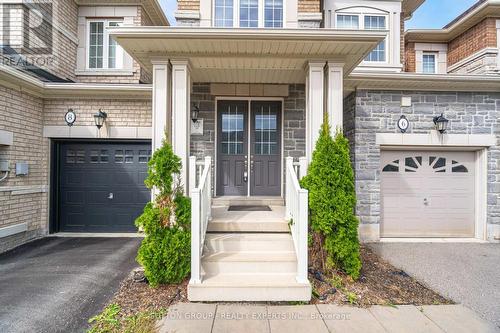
point(248, 148)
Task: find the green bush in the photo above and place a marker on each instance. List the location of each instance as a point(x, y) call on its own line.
point(166, 222)
point(332, 200)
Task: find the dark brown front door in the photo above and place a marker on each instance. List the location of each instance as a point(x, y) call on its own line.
point(232, 150)
point(238, 172)
point(265, 148)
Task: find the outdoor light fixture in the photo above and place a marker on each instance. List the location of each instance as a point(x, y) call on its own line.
point(195, 112)
point(100, 118)
point(441, 123)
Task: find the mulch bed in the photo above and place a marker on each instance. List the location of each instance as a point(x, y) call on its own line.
point(380, 283)
point(137, 296)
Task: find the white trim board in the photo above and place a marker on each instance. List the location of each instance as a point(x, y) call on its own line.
point(435, 139)
point(113, 132)
point(13, 229)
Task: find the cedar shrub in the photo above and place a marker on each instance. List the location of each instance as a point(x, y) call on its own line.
point(332, 200)
point(166, 221)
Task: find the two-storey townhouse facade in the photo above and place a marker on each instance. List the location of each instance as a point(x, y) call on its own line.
point(244, 86)
point(57, 57)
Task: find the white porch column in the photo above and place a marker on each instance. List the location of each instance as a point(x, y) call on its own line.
point(315, 90)
point(161, 102)
point(181, 89)
point(335, 96)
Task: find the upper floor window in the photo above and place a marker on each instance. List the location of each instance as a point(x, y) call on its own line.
point(249, 13)
point(273, 13)
point(367, 22)
point(103, 51)
point(348, 22)
point(429, 63)
point(224, 13)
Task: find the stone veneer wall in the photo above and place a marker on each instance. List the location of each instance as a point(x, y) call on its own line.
point(378, 112)
point(487, 63)
point(293, 122)
point(22, 114)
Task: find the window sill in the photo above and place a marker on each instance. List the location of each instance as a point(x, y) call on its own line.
point(105, 72)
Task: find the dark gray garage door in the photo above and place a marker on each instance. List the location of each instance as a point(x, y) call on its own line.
point(101, 186)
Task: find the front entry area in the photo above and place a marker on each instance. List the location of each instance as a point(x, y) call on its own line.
point(249, 148)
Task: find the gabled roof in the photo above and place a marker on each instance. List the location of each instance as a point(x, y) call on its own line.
point(152, 8)
point(465, 21)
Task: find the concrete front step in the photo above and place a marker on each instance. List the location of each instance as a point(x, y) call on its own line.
point(249, 288)
point(247, 221)
point(248, 201)
point(259, 242)
point(249, 262)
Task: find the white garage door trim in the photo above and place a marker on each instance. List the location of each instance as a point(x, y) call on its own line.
point(479, 143)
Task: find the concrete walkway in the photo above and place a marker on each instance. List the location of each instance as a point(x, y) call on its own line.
point(201, 318)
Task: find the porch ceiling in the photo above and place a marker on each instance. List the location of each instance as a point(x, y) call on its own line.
point(247, 55)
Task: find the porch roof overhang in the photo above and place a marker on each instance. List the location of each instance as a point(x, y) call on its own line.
point(247, 55)
point(421, 82)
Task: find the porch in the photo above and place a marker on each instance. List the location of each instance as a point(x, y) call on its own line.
point(248, 248)
point(241, 81)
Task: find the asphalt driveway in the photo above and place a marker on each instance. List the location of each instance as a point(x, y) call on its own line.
point(56, 284)
point(467, 273)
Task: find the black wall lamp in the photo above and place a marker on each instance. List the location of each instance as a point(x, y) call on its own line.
point(100, 118)
point(441, 123)
point(195, 112)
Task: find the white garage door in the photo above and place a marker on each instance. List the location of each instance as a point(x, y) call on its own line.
point(427, 194)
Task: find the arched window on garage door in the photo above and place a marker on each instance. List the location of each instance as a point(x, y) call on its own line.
point(415, 163)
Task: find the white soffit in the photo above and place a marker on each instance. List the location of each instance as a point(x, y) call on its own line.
point(422, 82)
point(247, 55)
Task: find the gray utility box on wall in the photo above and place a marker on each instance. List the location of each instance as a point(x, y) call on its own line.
point(22, 169)
point(4, 166)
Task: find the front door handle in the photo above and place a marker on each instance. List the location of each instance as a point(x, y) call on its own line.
point(110, 196)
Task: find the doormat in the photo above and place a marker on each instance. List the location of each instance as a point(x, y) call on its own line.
point(249, 208)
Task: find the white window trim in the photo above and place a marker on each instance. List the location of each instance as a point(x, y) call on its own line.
point(435, 55)
point(119, 55)
point(236, 14)
point(361, 22)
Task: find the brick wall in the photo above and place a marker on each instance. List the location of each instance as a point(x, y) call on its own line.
point(21, 114)
point(309, 6)
point(133, 113)
point(61, 61)
point(480, 36)
point(410, 58)
point(188, 4)
point(378, 112)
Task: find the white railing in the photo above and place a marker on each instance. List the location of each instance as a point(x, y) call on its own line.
point(296, 199)
point(200, 190)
